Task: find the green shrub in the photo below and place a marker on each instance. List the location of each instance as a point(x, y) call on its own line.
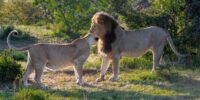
point(5, 30)
point(131, 63)
point(31, 94)
point(9, 69)
point(16, 55)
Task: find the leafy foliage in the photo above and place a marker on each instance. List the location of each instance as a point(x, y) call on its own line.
point(5, 30)
point(23, 14)
point(31, 94)
point(9, 69)
point(16, 55)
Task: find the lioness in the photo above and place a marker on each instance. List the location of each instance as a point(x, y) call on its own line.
point(55, 56)
point(115, 42)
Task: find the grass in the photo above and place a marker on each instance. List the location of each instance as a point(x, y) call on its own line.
point(132, 84)
point(135, 82)
point(42, 33)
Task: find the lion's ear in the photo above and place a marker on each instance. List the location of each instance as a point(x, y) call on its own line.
point(100, 20)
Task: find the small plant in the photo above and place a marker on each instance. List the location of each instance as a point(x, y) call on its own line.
point(5, 30)
point(31, 94)
point(16, 55)
point(9, 69)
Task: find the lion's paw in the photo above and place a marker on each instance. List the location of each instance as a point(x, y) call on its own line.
point(113, 79)
point(100, 79)
point(27, 84)
point(81, 83)
point(42, 86)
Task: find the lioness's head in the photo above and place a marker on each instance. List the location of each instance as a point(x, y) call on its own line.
point(103, 25)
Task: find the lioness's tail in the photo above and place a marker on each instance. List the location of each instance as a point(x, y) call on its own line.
point(169, 39)
point(13, 47)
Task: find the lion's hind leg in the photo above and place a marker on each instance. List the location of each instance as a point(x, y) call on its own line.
point(39, 67)
point(157, 53)
point(29, 70)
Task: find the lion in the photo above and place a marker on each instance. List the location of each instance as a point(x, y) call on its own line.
point(115, 42)
point(55, 56)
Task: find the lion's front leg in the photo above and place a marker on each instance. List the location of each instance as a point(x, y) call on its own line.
point(78, 70)
point(104, 67)
point(115, 67)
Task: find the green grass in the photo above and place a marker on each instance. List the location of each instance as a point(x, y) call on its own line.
point(135, 82)
point(126, 63)
point(94, 61)
point(131, 63)
point(5, 95)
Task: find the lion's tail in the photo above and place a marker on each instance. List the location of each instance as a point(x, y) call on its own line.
point(13, 47)
point(169, 39)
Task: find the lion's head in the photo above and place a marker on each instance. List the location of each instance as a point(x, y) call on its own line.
point(103, 25)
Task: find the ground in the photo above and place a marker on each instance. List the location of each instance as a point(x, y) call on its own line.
point(172, 83)
point(175, 84)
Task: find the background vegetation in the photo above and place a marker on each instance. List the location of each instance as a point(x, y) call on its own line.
point(62, 21)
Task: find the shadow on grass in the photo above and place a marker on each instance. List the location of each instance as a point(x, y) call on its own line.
point(105, 94)
point(71, 72)
point(185, 86)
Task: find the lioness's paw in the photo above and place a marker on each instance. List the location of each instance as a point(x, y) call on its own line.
point(80, 82)
point(42, 86)
point(113, 79)
point(27, 84)
point(100, 79)
point(45, 87)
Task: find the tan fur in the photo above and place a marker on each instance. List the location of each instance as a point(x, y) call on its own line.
point(56, 56)
point(132, 43)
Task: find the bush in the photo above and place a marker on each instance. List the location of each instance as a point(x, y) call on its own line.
point(5, 30)
point(61, 30)
point(16, 55)
point(9, 69)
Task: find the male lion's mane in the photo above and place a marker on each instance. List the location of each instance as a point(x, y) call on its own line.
point(110, 36)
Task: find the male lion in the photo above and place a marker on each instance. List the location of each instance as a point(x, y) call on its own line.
point(115, 42)
point(55, 56)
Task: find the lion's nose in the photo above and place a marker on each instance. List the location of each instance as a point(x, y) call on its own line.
point(96, 39)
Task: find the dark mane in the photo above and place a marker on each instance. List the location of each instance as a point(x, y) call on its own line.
point(110, 35)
